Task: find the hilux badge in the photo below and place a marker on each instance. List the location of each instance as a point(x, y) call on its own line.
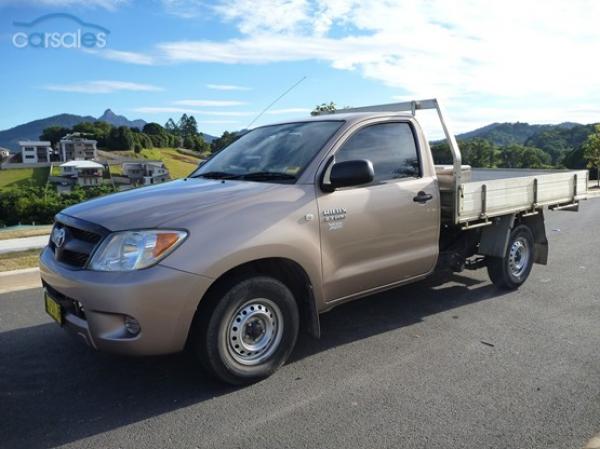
point(339, 213)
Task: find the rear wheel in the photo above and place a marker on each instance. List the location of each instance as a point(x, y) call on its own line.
point(250, 332)
point(512, 270)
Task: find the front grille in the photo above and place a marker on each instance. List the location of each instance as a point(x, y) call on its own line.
point(74, 258)
point(80, 240)
point(86, 236)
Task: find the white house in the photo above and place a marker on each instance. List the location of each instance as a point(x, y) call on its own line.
point(35, 151)
point(146, 172)
point(84, 173)
point(76, 147)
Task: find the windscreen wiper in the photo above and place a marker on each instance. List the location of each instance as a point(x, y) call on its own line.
point(267, 175)
point(216, 175)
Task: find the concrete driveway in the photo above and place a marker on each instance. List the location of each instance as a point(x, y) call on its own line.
point(23, 244)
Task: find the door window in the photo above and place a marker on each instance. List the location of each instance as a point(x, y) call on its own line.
point(390, 147)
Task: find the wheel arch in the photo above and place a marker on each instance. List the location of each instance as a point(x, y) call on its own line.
point(494, 239)
point(285, 270)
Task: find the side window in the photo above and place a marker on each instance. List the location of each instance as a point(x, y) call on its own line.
point(389, 146)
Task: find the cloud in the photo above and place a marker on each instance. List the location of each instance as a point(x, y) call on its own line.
point(102, 87)
point(188, 110)
point(124, 56)
point(226, 113)
point(271, 16)
point(289, 111)
point(209, 103)
point(216, 122)
point(175, 109)
point(257, 50)
point(110, 5)
point(227, 87)
point(162, 110)
point(510, 49)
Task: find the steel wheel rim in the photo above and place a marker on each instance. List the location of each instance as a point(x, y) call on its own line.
point(254, 331)
point(518, 257)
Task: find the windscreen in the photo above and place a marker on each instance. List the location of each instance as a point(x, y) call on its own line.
point(276, 152)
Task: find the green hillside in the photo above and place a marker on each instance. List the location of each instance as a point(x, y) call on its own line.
point(18, 177)
point(179, 165)
point(561, 144)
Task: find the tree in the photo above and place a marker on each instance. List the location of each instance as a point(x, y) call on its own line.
point(535, 158)
point(200, 145)
point(192, 125)
point(519, 156)
point(154, 128)
point(120, 138)
point(324, 107)
point(176, 141)
point(94, 130)
point(553, 141)
point(159, 140)
point(478, 153)
point(188, 126)
point(182, 122)
point(32, 203)
point(225, 140)
point(441, 153)
point(591, 151)
point(54, 134)
point(142, 140)
point(188, 142)
point(172, 127)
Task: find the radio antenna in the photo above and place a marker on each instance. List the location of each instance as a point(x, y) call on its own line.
point(275, 101)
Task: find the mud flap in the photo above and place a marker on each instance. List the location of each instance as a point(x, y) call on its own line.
point(537, 226)
point(494, 239)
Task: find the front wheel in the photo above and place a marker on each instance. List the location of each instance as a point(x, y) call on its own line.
point(512, 270)
point(250, 332)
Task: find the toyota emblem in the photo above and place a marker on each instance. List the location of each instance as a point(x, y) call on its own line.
point(58, 237)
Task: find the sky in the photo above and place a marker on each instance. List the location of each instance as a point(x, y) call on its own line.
point(225, 61)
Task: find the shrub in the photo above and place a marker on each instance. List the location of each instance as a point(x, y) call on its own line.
point(28, 204)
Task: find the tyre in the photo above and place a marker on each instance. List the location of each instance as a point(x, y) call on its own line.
point(512, 270)
point(249, 331)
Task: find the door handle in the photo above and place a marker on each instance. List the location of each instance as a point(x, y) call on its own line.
point(422, 197)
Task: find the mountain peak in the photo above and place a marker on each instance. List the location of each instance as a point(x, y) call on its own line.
point(120, 120)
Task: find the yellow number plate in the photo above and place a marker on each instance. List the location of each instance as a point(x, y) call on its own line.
point(53, 309)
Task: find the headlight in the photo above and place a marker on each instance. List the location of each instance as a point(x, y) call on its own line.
point(133, 250)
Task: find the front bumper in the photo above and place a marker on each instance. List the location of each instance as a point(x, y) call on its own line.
point(163, 300)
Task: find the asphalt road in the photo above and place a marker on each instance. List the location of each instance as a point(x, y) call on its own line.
point(452, 365)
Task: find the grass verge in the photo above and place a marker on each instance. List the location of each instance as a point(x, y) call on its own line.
point(16, 177)
point(26, 232)
point(19, 260)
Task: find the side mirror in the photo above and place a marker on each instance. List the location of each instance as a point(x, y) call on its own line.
point(351, 173)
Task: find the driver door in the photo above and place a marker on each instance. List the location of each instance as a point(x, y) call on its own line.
point(378, 234)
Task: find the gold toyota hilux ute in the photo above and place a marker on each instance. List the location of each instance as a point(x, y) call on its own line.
point(287, 222)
